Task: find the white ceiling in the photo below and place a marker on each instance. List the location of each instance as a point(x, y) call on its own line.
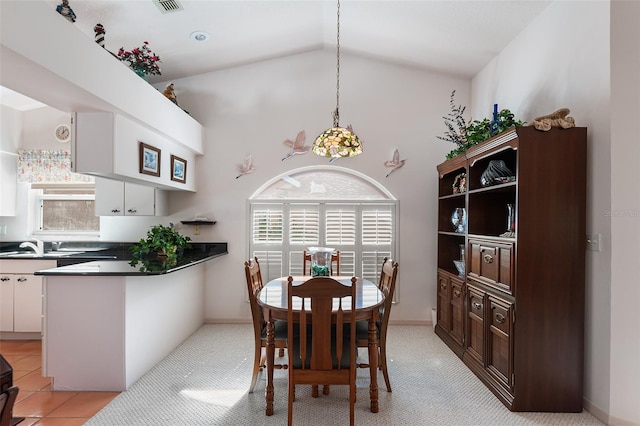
point(454, 36)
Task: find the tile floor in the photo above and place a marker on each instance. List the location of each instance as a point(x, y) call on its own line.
point(36, 402)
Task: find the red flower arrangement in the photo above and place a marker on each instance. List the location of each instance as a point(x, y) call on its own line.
point(141, 59)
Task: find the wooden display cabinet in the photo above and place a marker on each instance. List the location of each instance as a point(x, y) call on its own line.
point(516, 317)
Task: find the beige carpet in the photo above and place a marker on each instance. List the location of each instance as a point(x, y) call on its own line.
point(205, 381)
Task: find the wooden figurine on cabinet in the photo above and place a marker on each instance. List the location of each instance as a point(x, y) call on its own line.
point(170, 93)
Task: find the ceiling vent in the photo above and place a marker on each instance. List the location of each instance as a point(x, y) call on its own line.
point(168, 6)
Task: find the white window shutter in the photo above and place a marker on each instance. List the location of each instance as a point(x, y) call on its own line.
point(378, 238)
point(270, 264)
point(304, 225)
point(267, 225)
point(267, 222)
point(377, 226)
point(340, 226)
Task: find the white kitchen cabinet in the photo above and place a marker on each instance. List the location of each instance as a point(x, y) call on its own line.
point(116, 198)
point(108, 145)
point(21, 295)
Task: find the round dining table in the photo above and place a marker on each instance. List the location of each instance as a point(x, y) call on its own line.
point(273, 300)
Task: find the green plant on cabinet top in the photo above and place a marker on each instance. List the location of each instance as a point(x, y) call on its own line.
point(464, 136)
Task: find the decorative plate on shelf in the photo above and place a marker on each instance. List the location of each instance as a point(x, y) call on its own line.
point(496, 172)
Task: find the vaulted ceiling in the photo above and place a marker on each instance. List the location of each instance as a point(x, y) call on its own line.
point(453, 36)
point(450, 36)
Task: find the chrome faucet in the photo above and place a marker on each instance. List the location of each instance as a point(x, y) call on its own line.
point(38, 247)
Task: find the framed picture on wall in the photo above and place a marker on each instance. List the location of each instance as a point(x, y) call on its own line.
point(178, 169)
point(149, 160)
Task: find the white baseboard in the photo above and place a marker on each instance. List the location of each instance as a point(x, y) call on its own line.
point(248, 321)
point(597, 412)
point(9, 335)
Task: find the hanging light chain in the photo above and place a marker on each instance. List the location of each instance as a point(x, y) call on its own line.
point(336, 113)
point(337, 142)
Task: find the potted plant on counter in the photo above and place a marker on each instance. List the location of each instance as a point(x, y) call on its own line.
point(162, 241)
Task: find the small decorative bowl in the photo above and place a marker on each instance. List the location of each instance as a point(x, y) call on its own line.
point(460, 267)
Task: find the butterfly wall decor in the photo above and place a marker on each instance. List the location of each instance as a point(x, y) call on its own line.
point(298, 147)
point(396, 162)
point(246, 166)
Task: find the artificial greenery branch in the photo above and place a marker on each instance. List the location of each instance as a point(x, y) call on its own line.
point(456, 124)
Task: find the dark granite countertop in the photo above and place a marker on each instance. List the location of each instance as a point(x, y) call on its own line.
point(198, 253)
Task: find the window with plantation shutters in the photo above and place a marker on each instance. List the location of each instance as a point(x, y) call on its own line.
point(327, 208)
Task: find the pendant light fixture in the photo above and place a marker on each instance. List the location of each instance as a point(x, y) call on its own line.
point(336, 141)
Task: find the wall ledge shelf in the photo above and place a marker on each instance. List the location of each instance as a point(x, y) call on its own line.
point(198, 222)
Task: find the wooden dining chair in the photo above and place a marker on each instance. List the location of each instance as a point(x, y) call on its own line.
point(387, 286)
point(335, 258)
point(7, 400)
point(321, 350)
point(254, 285)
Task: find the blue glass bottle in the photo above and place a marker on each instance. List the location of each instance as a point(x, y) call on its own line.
point(494, 125)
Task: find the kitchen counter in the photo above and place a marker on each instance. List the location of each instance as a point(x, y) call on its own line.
point(198, 253)
point(106, 323)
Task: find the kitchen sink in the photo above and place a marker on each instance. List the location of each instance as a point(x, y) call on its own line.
point(60, 254)
point(49, 254)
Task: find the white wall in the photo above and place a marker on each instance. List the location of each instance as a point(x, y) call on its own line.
point(562, 60)
point(625, 212)
point(253, 109)
point(10, 129)
point(33, 129)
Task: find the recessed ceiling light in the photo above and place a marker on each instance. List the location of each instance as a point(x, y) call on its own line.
point(200, 36)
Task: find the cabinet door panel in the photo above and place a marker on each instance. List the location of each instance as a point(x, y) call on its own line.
point(6, 302)
point(444, 319)
point(500, 354)
point(109, 197)
point(476, 315)
point(28, 304)
point(139, 200)
point(457, 313)
point(489, 262)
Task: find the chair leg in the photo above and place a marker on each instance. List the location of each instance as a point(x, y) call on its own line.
point(352, 403)
point(257, 366)
point(291, 398)
point(382, 356)
point(325, 390)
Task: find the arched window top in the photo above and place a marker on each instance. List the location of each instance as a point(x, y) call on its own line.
point(322, 183)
